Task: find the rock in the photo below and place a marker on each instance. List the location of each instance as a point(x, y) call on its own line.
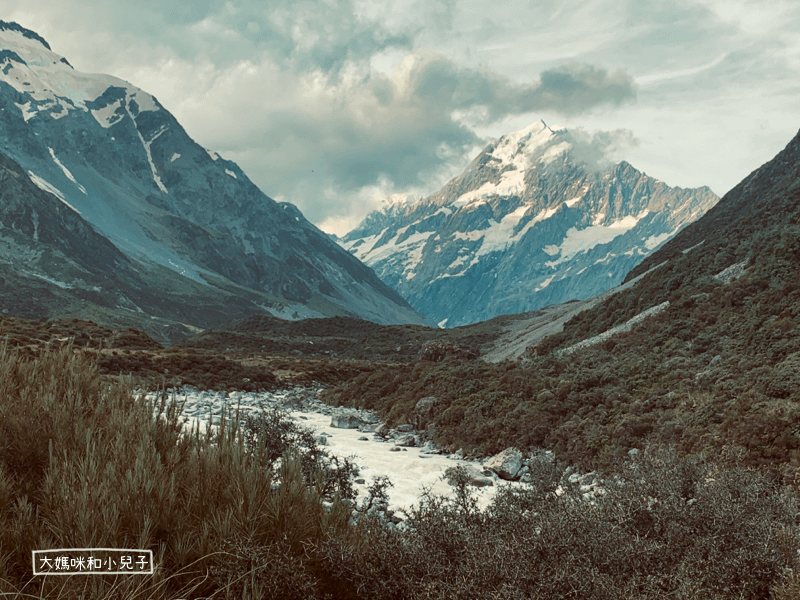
point(346, 421)
point(542, 456)
point(360, 481)
point(429, 448)
point(368, 428)
point(475, 477)
point(382, 430)
point(321, 440)
point(423, 411)
point(407, 441)
point(371, 418)
point(363, 438)
point(291, 403)
point(405, 428)
point(507, 464)
point(394, 449)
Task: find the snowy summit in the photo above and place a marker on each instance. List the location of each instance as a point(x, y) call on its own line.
point(529, 223)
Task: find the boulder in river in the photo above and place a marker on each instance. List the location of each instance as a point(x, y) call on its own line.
point(507, 464)
point(408, 441)
point(346, 421)
point(474, 476)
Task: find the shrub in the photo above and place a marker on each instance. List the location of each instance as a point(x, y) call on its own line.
point(85, 465)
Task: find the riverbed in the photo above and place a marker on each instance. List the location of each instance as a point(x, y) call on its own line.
point(411, 470)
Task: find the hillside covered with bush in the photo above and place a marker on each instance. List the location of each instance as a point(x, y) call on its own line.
point(719, 368)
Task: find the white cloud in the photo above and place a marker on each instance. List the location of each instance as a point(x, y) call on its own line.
point(326, 103)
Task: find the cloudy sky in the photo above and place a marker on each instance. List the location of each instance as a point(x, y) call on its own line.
point(336, 104)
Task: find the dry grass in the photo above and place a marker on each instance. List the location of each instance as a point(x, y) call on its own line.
point(84, 464)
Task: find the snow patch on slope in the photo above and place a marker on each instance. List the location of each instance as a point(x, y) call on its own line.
point(48, 187)
point(581, 240)
point(499, 235)
point(25, 109)
point(108, 115)
point(655, 240)
point(408, 244)
point(66, 170)
point(146, 146)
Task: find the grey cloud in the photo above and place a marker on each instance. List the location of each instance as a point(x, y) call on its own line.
point(303, 35)
point(575, 88)
point(399, 132)
point(299, 35)
point(569, 89)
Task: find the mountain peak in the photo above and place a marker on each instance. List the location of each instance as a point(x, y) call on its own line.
point(116, 159)
point(32, 35)
point(536, 142)
point(526, 225)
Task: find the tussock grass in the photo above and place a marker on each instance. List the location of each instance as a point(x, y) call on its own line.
point(87, 465)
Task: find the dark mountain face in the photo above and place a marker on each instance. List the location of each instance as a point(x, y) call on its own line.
point(764, 199)
point(120, 168)
point(525, 226)
point(700, 353)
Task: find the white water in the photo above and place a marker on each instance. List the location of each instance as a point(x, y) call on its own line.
point(410, 470)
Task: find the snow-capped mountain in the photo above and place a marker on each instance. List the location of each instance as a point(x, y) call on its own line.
point(121, 163)
point(528, 224)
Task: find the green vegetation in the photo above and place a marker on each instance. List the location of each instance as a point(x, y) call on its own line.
point(665, 527)
point(83, 463)
point(719, 368)
point(338, 338)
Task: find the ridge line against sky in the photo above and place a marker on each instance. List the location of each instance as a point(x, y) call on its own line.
point(335, 105)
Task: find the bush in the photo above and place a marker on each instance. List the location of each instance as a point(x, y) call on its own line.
point(86, 465)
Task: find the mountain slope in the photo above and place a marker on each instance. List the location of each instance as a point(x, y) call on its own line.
point(528, 224)
point(54, 263)
point(113, 155)
point(758, 200)
point(700, 353)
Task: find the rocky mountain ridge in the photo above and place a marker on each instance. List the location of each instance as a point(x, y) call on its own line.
point(528, 224)
point(110, 155)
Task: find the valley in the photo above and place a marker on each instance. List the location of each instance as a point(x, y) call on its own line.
point(630, 349)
